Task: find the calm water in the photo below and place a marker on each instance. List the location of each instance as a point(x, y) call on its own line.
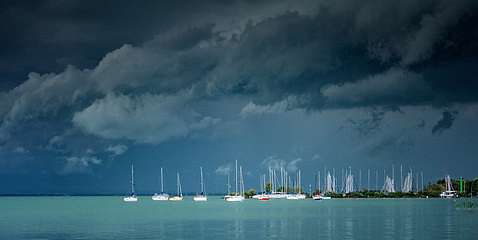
point(110, 218)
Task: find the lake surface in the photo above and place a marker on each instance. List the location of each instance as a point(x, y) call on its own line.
point(110, 218)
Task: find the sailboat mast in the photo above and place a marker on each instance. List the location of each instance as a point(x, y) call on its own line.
point(228, 183)
point(241, 182)
point(236, 177)
point(368, 179)
point(132, 178)
point(260, 183)
point(202, 183)
point(360, 180)
point(162, 186)
point(299, 183)
point(264, 183)
point(177, 183)
point(319, 182)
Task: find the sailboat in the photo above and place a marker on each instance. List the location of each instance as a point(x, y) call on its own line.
point(228, 187)
point(179, 196)
point(132, 197)
point(238, 195)
point(449, 192)
point(298, 195)
point(263, 196)
point(202, 196)
point(317, 195)
point(161, 196)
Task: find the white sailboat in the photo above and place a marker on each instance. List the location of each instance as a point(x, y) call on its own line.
point(299, 195)
point(263, 196)
point(202, 196)
point(238, 196)
point(161, 196)
point(132, 197)
point(228, 187)
point(449, 192)
point(179, 196)
point(317, 195)
point(275, 194)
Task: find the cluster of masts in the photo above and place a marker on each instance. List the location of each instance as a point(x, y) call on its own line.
point(349, 183)
point(281, 186)
point(162, 196)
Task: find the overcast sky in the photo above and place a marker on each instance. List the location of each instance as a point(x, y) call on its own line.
point(86, 88)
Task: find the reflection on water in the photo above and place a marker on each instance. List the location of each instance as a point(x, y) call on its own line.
point(109, 218)
point(348, 224)
point(408, 224)
point(389, 224)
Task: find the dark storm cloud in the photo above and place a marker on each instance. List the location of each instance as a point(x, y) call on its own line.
point(445, 122)
point(47, 35)
point(346, 56)
point(368, 125)
point(149, 72)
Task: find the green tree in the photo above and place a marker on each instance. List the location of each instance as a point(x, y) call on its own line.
point(249, 193)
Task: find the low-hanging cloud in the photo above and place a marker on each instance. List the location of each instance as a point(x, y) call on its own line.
point(146, 118)
point(446, 122)
point(395, 86)
point(75, 164)
point(223, 169)
point(117, 150)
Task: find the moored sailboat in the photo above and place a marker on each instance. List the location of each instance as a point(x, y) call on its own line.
point(179, 196)
point(132, 197)
point(238, 196)
point(449, 192)
point(202, 196)
point(298, 195)
point(161, 196)
point(263, 196)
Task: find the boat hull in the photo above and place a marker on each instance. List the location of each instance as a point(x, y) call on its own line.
point(200, 198)
point(160, 197)
point(296, 197)
point(176, 198)
point(130, 199)
point(449, 194)
point(234, 199)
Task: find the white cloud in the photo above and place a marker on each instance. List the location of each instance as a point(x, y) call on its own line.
point(89, 151)
point(117, 150)
point(273, 162)
point(395, 85)
point(292, 166)
point(274, 108)
point(223, 169)
point(76, 164)
point(20, 150)
point(146, 118)
point(277, 163)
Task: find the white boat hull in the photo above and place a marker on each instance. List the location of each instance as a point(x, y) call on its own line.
point(176, 198)
point(162, 197)
point(200, 198)
point(448, 194)
point(295, 197)
point(278, 195)
point(234, 198)
point(130, 199)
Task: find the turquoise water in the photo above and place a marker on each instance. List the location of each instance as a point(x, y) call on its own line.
point(110, 218)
